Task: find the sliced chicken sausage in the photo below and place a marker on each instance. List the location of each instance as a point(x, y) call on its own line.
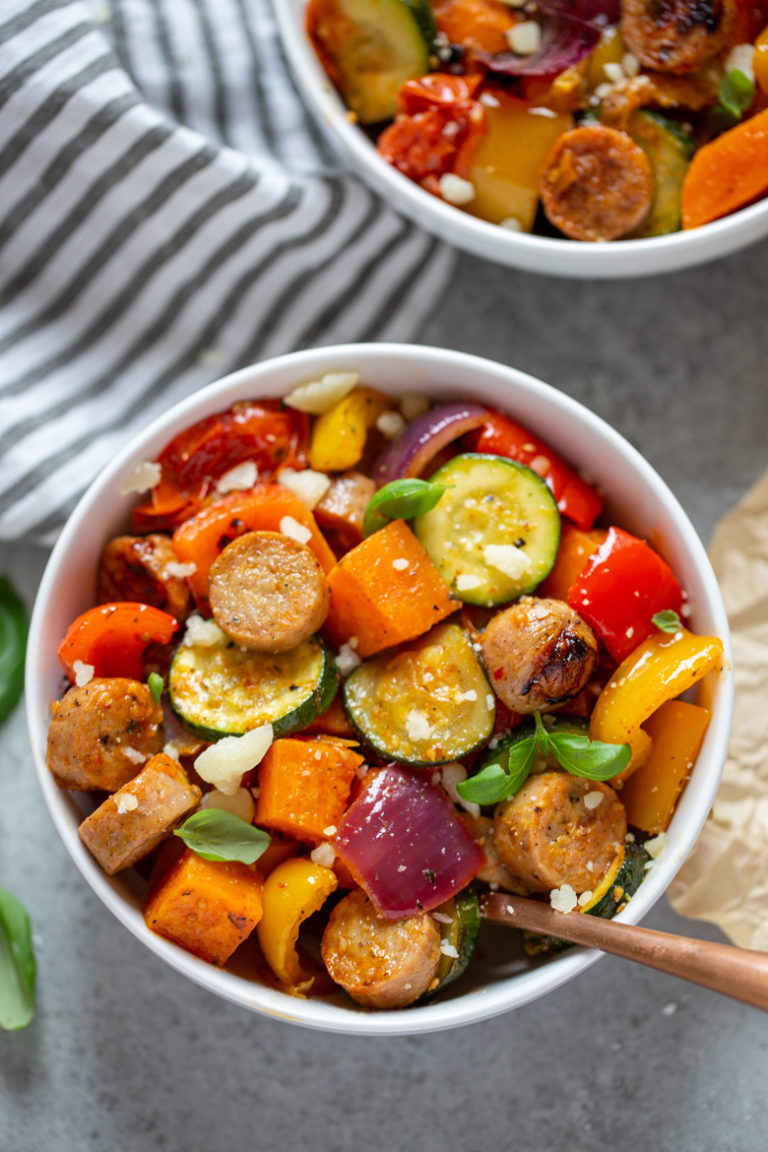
point(101, 734)
point(538, 654)
point(677, 35)
point(596, 183)
point(142, 569)
point(268, 592)
point(381, 963)
point(560, 829)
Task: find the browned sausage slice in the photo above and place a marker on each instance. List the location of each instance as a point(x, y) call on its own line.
point(381, 963)
point(596, 183)
point(538, 653)
point(101, 734)
point(268, 592)
point(142, 568)
point(340, 512)
point(676, 35)
point(560, 829)
point(131, 822)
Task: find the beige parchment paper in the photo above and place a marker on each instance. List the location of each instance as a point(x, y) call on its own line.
point(725, 879)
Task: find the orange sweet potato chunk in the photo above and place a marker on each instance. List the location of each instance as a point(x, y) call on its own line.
point(208, 907)
point(385, 591)
point(304, 786)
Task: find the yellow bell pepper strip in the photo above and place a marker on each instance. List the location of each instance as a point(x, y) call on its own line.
point(677, 730)
point(760, 60)
point(659, 669)
point(339, 435)
point(292, 892)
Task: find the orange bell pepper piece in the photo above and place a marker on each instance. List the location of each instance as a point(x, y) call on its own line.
point(112, 638)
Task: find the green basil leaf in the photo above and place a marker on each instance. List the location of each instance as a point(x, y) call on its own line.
point(501, 778)
point(155, 683)
point(216, 834)
point(589, 758)
point(666, 621)
point(400, 500)
point(17, 964)
point(736, 93)
point(14, 625)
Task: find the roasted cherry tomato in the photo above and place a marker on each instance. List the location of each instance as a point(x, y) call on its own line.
point(112, 638)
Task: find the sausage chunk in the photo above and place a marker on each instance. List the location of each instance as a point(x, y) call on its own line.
point(676, 35)
point(101, 733)
point(538, 653)
point(340, 512)
point(381, 963)
point(141, 568)
point(548, 834)
point(131, 822)
point(268, 592)
point(596, 183)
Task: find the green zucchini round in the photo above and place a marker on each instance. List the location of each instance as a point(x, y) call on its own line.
point(223, 690)
point(458, 937)
point(425, 703)
point(490, 501)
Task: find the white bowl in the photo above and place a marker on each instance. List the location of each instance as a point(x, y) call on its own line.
point(619, 259)
point(504, 978)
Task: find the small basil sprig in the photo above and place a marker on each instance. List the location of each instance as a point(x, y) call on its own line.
point(504, 776)
point(155, 683)
point(216, 834)
point(400, 500)
point(14, 625)
point(735, 96)
point(17, 964)
point(667, 621)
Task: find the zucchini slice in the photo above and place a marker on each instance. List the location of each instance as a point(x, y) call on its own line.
point(424, 703)
point(371, 47)
point(669, 149)
point(459, 920)
point(222, 690)
point(495, 532)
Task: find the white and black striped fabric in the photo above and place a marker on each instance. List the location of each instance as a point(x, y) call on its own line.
point(168, 213)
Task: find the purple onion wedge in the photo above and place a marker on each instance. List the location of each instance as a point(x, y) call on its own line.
point(565, 40)
point(411, 453)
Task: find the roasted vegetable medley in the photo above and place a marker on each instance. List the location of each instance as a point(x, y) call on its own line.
point(358, 658)
point(586, 119)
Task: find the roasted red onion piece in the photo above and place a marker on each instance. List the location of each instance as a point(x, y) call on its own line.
point(406, 845)
point(565, 40)
point(410, 453)
point(600, 12)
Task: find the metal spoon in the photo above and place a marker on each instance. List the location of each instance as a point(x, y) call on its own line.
point(737, 972)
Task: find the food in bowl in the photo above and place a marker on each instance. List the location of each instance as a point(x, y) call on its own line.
point(588, 120)
point(356, 658)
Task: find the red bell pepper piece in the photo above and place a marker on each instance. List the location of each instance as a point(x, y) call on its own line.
point(405, 844)
point(264, 432)
point(622, 586)
point(112, 638)
point(500, 436)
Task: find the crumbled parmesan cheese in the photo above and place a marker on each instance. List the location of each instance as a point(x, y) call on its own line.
point(240, 803)
point(324, 855)
point(417, 726)
point(449, 949)
point(202, 633)
point(455, 190)
point(347, 659)
point(331, 830)
point(238, 479)
point(656, 846)
point(630, 64)
point(563, 899)
point(466, 581)
point(593, 800)
point(390, 424)
point(470, 695)
point(134, 755)
point(317, 396)
point(291, 527)
point(450, 776)
point(441, 918)
point(143, 477)
point(307, 486)
point(613, 72)
point(83, 673)
point(506, 558)
point(126, 802)
point(512, 224)
point(225, 763)
point(400, 564)
point(585, 898)
point(741, 58)
point(413, 404)
point(179, 571)
point(490, 701)
point(489, 100)
point(525, 38)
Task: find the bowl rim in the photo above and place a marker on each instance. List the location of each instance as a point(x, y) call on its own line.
point(547, 255)
point(475, 1005)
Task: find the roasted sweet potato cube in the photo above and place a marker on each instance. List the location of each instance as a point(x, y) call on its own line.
point(206, 906)
point(133, 820)
point(304, 786)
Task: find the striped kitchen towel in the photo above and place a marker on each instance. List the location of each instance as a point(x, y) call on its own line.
point(168, 213)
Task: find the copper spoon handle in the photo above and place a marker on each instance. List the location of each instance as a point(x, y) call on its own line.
point(736, 972)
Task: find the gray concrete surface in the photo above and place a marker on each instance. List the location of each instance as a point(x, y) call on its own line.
point(126, 1055)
